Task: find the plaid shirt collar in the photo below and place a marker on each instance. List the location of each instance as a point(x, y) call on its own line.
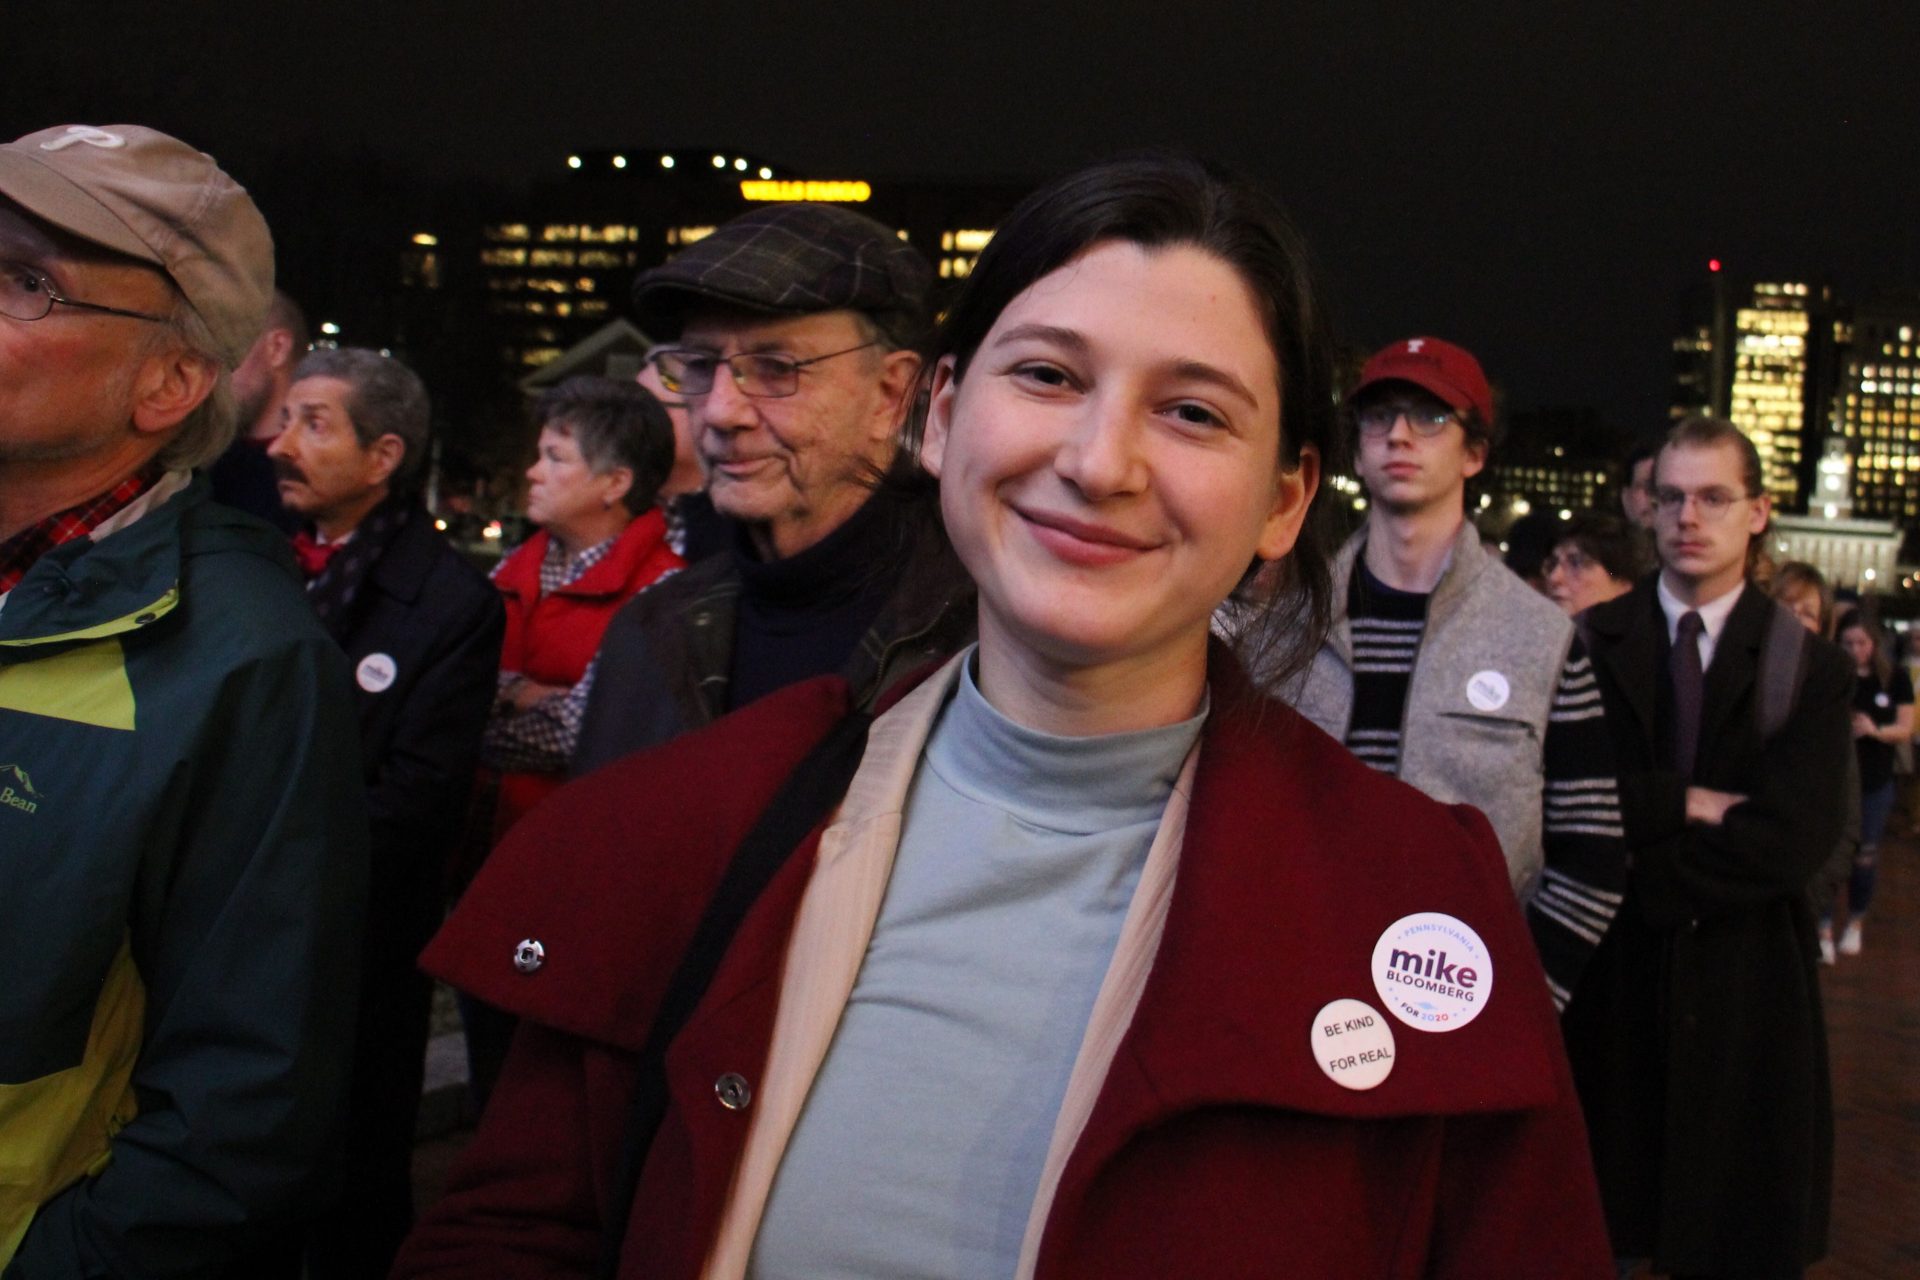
point(558, 570)
point(23, 550)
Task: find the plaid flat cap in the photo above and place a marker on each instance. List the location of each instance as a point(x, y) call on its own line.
point(793, 259)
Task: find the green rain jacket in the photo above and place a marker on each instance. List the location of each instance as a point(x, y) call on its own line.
point(183, 866)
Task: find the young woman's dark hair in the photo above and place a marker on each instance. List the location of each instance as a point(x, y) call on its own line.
point(1162, 200)
point(1854, 620)
point(1609, 541)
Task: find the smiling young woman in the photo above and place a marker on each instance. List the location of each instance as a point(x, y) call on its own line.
point(1100, 964)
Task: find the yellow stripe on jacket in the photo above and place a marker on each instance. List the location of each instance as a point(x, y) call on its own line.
point(59, 1126)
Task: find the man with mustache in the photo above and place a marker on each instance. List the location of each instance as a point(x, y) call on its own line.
point(790, 335)
point(183, 852)
point(1446, 670)
point(422, 630)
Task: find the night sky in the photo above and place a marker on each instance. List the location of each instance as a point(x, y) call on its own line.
point(1541, 183)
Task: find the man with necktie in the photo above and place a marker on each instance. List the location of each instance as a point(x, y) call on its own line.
point(1696, 1036)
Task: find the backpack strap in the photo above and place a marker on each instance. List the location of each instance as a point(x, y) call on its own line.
point(1783, 660)
point(809, 795)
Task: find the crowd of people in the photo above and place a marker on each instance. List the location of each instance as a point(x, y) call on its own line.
point(936, 796)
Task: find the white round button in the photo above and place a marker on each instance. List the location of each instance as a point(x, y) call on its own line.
point(1432, 971)
point(1353, 1044)
point(529, 955)
point(1488, 690)
point(375, 672)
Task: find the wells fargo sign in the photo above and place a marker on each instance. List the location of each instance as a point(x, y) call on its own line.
point(780, 189)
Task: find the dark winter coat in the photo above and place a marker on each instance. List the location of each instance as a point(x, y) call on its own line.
point(665, 662)
point(1696, 1037)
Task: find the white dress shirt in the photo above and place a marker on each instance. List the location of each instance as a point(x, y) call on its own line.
point(1713, 617)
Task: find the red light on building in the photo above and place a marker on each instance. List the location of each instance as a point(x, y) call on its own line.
point(1713, 264)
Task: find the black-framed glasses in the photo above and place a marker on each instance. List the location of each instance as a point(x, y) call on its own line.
point(1574, 562)
point(689, 371)
point(26, 294)
point(1429, 419)
point(1713, 503)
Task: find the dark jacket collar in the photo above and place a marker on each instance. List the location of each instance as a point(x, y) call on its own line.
point(83, 590)
point(1630, 636)
point(402, 569)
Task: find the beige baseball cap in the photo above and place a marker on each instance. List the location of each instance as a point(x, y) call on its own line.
point(152, 197)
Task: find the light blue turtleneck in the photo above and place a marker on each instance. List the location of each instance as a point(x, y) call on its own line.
point(922, 1142)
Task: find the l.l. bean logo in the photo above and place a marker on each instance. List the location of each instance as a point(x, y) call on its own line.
point(17, 790)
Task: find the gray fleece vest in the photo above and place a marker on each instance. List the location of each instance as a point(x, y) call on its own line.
point(1483, 684)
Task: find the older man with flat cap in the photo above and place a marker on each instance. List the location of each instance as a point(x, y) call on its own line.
point(790, 335)
point(182, 829)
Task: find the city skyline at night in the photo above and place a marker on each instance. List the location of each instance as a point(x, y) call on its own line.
point(1539, 187)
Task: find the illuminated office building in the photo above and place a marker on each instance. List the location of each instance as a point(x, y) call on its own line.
point(1782, 367)
point(1876, 408)
point(1553, 459)
point(560, 268)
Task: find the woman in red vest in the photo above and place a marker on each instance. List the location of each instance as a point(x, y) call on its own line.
point(605, 448)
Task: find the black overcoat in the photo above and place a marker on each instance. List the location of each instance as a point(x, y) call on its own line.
point(424, 644)
point(1696, 1036)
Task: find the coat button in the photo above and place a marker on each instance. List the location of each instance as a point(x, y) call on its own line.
point(733, 1091)
point(529, 956)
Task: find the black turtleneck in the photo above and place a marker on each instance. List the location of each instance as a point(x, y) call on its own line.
point(801, 616)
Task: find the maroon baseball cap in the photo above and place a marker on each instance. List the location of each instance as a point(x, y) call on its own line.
point(1435, 366)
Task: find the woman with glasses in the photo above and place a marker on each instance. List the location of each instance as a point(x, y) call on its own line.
point(1100, 964)
point(1596, 558)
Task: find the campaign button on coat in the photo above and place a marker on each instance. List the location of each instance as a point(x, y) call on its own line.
point(529, 955)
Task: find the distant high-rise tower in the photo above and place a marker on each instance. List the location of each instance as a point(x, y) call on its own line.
point(1876, 407)
point(1781, 376)
point(1692, 373)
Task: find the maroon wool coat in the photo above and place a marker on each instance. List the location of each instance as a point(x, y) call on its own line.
point(1217, 1147)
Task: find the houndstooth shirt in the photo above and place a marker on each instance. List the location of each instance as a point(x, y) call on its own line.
point(541, 738)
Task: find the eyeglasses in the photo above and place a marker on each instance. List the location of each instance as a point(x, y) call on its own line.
point(1574, 562)
point(768, 376)
point(1713, 503)
point(1424, 419)
point(26, 294)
